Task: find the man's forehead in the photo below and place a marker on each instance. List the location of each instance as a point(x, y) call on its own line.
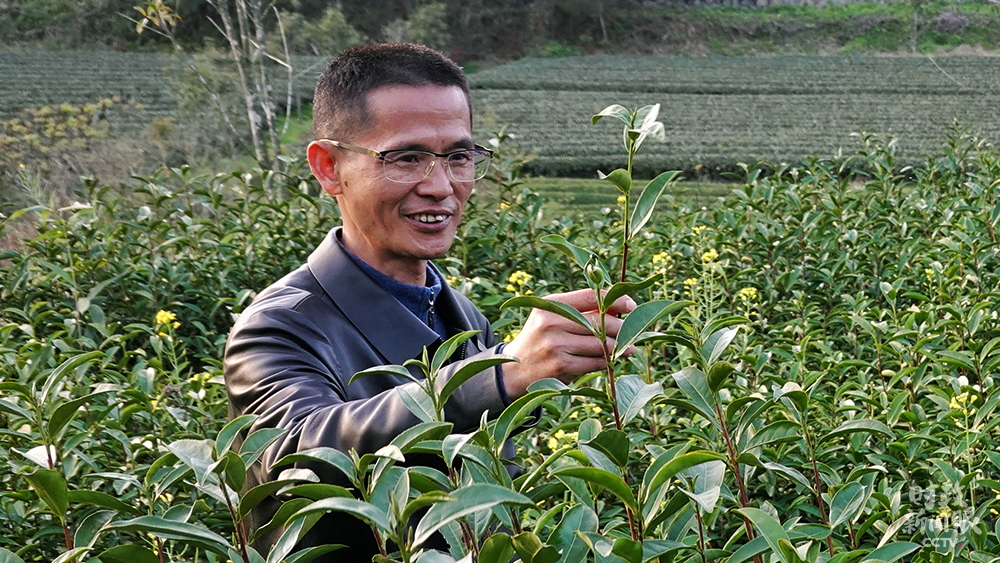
point(410, 116)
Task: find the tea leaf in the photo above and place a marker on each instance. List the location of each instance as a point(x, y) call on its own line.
point(467, 500)
point(647, 201)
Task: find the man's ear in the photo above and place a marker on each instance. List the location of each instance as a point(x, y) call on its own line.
point(324, 167)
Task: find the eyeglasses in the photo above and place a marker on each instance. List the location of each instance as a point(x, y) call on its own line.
point(409, 166)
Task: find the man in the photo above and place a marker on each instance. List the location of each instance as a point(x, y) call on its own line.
point(393, 144)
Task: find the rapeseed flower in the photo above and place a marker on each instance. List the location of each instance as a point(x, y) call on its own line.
point(710, 256)
point(518, 280)
point(167, 318)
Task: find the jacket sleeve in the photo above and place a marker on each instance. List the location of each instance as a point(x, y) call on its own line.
point(282, 367)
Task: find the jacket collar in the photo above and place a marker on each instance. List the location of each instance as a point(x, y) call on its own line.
point(395, 332)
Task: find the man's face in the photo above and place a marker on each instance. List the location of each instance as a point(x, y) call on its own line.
point(393, 226)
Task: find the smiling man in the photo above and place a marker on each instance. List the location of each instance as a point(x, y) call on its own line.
point(393, 144)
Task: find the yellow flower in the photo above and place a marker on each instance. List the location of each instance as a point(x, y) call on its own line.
point(621, 200)
point(553, 444)
point(710, 256)
point(451, 281)
point(511, 336)
point(560, 434)
point(690, 282)
point(598, 410)
point(573, 416)
point(165, 317)
point(520, 278)
point(747, 294)
point(21, 165)
point(662, 257)
point(699, 229)
point(504, 205)
point(511, 288)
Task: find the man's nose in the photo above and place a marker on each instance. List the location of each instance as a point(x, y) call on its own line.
point(438, 183)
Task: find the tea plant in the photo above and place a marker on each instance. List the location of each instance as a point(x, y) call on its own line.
point(813, 375)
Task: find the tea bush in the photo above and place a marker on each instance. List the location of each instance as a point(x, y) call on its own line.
point(814, 374)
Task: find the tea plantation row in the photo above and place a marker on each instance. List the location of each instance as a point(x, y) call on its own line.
point(723, 111)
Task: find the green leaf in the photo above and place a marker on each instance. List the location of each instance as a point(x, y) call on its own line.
point(639, 320)
point(399, 371)
point(196, 454)
point(960, 359)
point(616, 111)
point(707, 483)
point(128, 554)
point(628, 549)
point(448, 348)
point(104, 500)
point(90, 528)
point(634, 394)
point(257, 494)
point(531, 549)
point(418, 402)
point(230, 431)
point(359, 509)
point(15, 410)
point(580, 255)
point(50, 486)
point(413, 435)
point(620, 178)
point(601, 478)
point(308, 554)
point(173, 530)
point(66, 412)
point(613, 443)
point(652, 549)
point(423, 501)
point(693, 383)
point(257, 442)
point(718, 374)
point(894, 527)
point(768, 527)
point(325, 455)
point(847, 504)
point(63, 370)
point(647, 201)
point(717, 343)
point(561, 309)
point(626, 288)
point(777, 432)
point(292, 534)
point(677, 463)
point(498, 548)
point(862, 425)
point(468, 370)
point(467, 500)
point(564, 537)
point(893, 551)
point(518, 411)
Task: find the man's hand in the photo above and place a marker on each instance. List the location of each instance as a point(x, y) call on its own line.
point(552, 346)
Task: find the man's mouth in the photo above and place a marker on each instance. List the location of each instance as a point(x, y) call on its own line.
point(429, 218)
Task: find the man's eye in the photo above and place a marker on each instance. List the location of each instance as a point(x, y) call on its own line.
point(463, 157)
point(404, 158)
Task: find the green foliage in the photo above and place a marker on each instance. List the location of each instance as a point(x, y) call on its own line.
point(814, 376)
point(325, 36)
point(427, 25)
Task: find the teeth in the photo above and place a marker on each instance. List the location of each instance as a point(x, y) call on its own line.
point(428, 218)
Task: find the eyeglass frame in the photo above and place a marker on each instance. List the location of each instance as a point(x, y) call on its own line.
point(381, 155)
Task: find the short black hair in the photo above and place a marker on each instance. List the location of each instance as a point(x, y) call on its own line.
point(340, 103)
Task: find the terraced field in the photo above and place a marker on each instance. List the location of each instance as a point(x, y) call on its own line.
point(39, 78)
point(720, 111)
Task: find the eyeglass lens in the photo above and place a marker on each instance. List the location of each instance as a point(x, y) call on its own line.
point(413, 166)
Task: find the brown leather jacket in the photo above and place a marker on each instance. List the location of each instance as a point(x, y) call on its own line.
point(292, 352)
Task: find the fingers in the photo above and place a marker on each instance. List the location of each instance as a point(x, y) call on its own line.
point(586, 300)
